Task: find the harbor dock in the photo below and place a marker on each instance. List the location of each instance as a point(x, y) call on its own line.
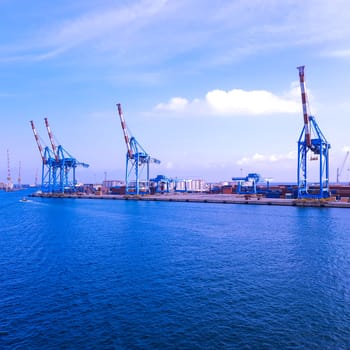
point(208, 198)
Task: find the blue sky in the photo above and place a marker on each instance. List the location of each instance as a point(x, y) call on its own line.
point(208, 87)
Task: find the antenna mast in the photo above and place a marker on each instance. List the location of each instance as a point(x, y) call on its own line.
point(19, 175)
point(9, 180)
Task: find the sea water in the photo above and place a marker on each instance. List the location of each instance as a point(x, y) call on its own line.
point(118, 274)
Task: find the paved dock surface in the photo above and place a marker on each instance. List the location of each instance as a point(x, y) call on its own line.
point(208, 198)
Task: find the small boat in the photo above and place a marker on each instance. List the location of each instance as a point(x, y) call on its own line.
point(24, 199)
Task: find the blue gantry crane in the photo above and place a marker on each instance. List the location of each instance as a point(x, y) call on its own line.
point(137, 162)
point(247, 184)
point(161, 184)
point(58, 166)
point(49, 165)
point(311, 141)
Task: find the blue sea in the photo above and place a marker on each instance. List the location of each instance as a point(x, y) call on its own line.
point(115, 274)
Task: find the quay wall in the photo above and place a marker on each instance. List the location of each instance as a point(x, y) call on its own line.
point(208, 198)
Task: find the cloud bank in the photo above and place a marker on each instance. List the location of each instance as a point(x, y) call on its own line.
point(272, 158)
point(341, 53)
point(236, 102)
point(256, 102)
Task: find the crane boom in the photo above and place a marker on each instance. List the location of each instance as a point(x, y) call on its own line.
point(125, 132)
point(54, 149)
point(38, 142)
point(304, 102)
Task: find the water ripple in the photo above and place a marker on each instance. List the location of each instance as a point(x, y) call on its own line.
point(137, 275)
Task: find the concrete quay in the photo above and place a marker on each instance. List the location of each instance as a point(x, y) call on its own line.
point(208, 198)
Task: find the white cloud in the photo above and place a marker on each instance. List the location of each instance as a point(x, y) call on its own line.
point(345, 53)
point(174, 104)
point(169, 165)
point(272, 158)
point(235, 102)
point(255, 102)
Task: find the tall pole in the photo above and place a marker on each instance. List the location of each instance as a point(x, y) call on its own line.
point(36, 178)
point(19, 175)
point(9, 180)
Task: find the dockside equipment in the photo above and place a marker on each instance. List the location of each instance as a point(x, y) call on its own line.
point(247, 184)
point(137, 162)
point(311, 140)
point(58, 166)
